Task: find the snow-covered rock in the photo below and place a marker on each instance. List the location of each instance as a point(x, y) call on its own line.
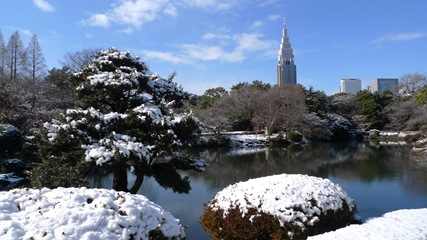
point(401, 224)
point(80, 213)
point(9, 180)
point(296, 202)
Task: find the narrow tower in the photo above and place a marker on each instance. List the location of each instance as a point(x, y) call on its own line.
point(286, 68)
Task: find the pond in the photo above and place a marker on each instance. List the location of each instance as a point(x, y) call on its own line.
point(380, 178)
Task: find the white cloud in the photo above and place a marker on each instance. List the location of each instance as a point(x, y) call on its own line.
point(258, 24)
point(273, 17)
point(166, 57)
point(44, 5)
point(213, 5)
point(399, 37)
point(253, 42)
point(98, 20)
point(267, 3)
point(239, 47)
point(170, 10)
point(133, 13)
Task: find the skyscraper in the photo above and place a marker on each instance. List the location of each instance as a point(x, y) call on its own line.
point(286, 68)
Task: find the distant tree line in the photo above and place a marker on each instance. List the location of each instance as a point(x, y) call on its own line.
point(290, 108)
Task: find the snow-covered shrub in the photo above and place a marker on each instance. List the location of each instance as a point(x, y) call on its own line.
point(80, 213)
point(10, 139)
point(278, 207)
point(339, 126)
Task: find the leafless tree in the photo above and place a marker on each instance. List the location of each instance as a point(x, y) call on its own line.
point(36, 64)
point(409, 83)
point(344, 104)
point(15, 56)
point(2, 59)
point(280, 107)
point(75, 61)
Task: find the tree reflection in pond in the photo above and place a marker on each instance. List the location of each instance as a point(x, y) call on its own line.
point(379, 177)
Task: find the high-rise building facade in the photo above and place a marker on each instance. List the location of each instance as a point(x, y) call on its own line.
point(350, 85)
point(382, 84)
point(286, 68)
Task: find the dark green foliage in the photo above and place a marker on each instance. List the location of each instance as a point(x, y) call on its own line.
point(316, 101)
point(10, 140)
point(372, 106)
point(294, 136)
point(421, 96)
point(209, 97)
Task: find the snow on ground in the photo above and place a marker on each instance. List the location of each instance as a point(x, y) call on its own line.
point(247, 140)
point(278, 195)
point(401, 224)
point(80, 213)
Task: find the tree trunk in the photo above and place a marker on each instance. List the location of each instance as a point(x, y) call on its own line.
point(120, 181)
point(138, 182)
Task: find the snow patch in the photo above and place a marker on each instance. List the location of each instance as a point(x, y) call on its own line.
point(401, 224)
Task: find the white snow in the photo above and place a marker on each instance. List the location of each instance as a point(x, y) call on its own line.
point(402, 224)
point(280, 195)
point(80, 213)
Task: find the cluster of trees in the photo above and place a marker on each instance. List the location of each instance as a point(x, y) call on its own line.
point(259, 106)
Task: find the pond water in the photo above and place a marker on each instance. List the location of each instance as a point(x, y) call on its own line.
point(380, 178)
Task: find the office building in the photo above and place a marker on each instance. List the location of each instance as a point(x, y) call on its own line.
point(350, 85)
point(382, 84)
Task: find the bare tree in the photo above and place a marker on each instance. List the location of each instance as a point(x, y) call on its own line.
point(75, 61)
point(15, 56)
point(409, 83)
point(36, 64)
point(2, 59)
point(280, 107)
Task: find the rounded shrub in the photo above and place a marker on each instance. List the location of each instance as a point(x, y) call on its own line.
point(278, 207)
point(294, 136)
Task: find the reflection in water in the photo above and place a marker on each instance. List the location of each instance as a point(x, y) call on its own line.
point(379, 178)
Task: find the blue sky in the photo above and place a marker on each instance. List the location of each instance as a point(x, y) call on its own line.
point(211, 43)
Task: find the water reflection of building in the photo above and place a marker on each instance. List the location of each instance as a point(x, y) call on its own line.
point(286, 68)
point(383, 84)
point(350, 85)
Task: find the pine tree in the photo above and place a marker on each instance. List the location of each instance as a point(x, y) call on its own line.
point(35, 62)
point(125, 120)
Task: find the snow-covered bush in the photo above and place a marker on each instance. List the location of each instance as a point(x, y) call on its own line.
point(80, 213)
point(339, 126)
point(10, 139)
point(278, 207)
point(125, 120)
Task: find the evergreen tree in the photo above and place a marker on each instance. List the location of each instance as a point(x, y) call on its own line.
point(35, 63)
point(125, 120)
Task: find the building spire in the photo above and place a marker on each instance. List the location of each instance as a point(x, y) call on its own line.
point(286, 69)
